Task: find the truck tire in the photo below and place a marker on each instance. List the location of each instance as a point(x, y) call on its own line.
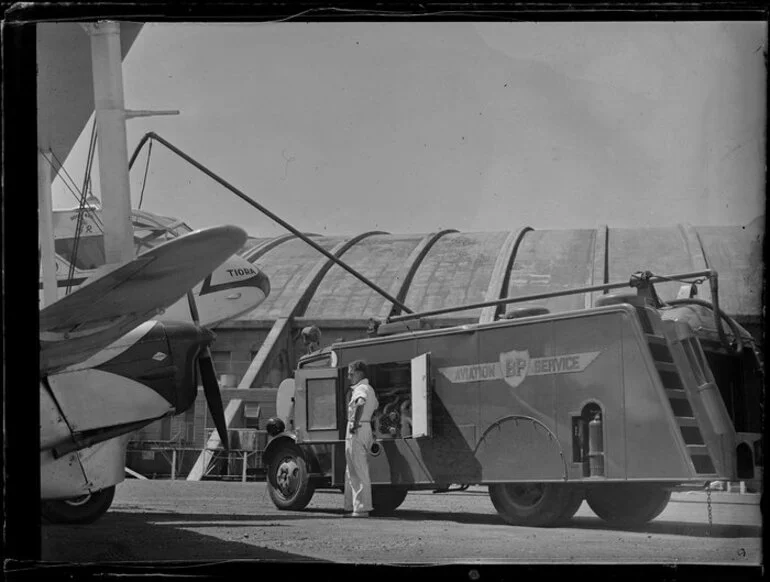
point(288, 481)
point(577, 495)
point(386, 499)
point(533, 504)
point(628, 504)
point(78, 510)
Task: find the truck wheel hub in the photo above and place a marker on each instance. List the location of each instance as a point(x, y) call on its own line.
point(287, 476)
point(526, 495)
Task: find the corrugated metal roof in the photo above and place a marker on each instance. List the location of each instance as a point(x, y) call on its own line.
point(461, 268)
point(378, 258)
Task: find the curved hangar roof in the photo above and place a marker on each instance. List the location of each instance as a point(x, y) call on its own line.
point(450, 268)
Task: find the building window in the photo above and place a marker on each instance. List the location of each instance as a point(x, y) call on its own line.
point(251, 414)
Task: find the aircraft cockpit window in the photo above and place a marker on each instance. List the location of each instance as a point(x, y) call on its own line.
point(90, 251)
point(149, 236)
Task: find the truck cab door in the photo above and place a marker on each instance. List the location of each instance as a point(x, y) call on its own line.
point(317, 405)
point(421, 396)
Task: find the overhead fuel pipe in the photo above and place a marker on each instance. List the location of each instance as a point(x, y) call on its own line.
point(635, 281)
point(152, 135)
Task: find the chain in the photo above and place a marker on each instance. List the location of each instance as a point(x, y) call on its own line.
point(708, 505)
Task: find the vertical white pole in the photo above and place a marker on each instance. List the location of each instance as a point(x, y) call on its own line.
point(243, 470)
point(110, 114)
point(45, 205)
point(173, 464)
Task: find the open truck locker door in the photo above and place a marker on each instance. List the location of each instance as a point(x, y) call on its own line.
point(421, 396)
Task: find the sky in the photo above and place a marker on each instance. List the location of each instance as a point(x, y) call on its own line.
point(340, 128)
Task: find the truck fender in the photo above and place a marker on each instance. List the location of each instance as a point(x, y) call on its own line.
point(274, 444)
point(281, 439)
point(523, 447)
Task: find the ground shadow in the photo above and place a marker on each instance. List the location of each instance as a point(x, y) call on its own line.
point(144, 537)
point(681, 528)
point(594, 523)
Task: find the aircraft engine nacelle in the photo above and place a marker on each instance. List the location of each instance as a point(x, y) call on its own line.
point(144, 375)
point(232, 289)
point(164, 360)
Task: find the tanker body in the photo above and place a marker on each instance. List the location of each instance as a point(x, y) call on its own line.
point(616, 405)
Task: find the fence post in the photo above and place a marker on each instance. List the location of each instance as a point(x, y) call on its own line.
point(173, 464)
point(243, 470)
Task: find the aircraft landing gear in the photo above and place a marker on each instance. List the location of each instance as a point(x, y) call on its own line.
point(78, 510)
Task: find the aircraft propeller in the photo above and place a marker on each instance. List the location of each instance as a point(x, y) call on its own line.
point(209, 380)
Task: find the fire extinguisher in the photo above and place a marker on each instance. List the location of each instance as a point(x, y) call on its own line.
point(596, 446)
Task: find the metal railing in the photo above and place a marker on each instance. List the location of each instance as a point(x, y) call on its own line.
point(221, 465)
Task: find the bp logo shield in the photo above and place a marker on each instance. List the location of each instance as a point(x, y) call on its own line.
point(514, 365)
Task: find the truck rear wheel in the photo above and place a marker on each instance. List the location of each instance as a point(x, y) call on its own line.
point(386, 499)
point(576, 497)
point(533, 504)
point(78, 510)
point(288, 481)
point(628, 504)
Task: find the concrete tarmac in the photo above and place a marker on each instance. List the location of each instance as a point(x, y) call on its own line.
point(209, 520)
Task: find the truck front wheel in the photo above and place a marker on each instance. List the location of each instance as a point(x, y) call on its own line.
point(386, 499)
point(533, 504)
point(288, 482)
point(628, 504)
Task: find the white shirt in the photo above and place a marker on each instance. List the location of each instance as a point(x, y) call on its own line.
point(365, 391)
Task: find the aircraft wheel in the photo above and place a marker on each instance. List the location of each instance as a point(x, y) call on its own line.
point(288, 482)
point(628, 504)
point(386, 499)
point(532, 504)
point(78, 510)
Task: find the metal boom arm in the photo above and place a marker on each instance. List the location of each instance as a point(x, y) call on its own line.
point(265, 211)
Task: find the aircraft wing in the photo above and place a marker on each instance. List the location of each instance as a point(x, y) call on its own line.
point(79, 325)
point(65, 84)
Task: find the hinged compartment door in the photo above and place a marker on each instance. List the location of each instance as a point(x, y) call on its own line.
point(421, 396)
point(316, 405)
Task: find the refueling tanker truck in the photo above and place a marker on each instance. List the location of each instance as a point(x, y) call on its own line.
point(617, 404)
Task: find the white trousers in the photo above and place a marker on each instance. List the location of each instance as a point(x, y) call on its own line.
point(358, 485)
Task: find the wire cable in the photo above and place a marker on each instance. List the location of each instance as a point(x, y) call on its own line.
point(144, 180)
point(81, 209)
point(74, 190)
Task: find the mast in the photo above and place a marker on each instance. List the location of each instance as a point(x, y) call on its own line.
point(110, 114)
point(45, 210)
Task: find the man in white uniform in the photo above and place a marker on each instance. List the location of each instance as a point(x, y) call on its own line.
point(363, 402)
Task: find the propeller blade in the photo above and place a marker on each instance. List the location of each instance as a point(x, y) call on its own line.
point(193, 307)
point(213, 395)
